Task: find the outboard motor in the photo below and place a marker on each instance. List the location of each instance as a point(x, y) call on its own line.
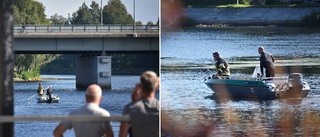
point(296, 84)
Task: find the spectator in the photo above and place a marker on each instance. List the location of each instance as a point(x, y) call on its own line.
point(144, 112)
point(88, 129)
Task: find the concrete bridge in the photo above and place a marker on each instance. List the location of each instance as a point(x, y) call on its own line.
point(86, 39)
point(93, 42)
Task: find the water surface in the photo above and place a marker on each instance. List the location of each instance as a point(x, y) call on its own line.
point(188, 107)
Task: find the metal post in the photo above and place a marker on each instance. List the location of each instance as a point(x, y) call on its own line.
point(6, 63)
point(101, 18)
point(134, 16)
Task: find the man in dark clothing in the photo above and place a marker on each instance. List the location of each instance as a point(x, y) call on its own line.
point(267, 62)
point(49, 94)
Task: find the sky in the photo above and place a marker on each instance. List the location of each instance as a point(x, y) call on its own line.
point(146, 10)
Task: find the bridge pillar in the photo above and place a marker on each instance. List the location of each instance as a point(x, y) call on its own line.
point(93, 70)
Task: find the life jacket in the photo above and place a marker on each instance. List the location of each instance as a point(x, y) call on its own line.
point(40, 90)
point(221, 68)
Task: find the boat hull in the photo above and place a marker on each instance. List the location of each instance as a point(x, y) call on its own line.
point(251, 89)
point(240, 89)
point(46, 99)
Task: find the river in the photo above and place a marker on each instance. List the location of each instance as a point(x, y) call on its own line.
point(70, 98)
point(188, 107)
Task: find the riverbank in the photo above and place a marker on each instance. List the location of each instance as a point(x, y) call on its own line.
point(248, 16)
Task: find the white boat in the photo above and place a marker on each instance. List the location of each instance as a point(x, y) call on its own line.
point(46, 99)
point(291, 86)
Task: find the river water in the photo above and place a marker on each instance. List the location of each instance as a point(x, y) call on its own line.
point(70, 98)
point(188, 107)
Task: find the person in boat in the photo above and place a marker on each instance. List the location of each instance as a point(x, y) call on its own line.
point(49, 94)
point(222, 66)
point(267, 62)
point(40, 89)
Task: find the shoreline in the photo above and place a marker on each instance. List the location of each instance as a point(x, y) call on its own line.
point(258, 16)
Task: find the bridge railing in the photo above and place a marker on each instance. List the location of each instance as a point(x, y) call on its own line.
point(88, 29)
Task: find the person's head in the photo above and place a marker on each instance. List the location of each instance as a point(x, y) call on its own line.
point(40, 84)
point(216, 55)
point(94, 94)
point(135, 95)
point(260, 50)
point(148, 83)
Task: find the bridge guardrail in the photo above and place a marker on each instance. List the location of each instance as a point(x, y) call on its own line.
point(87, 29)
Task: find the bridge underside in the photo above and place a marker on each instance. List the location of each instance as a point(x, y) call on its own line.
point(96, 53)
point(96, 46)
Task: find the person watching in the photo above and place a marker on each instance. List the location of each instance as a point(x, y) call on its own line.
point(144, 112)
point(93, 98)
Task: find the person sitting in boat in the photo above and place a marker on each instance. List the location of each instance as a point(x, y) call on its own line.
point(40, 89)
point(222, 67)
point(267, 62)
point(49, 94)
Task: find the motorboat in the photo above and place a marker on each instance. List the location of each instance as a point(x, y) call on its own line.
point(291, 86)
point(46, 98)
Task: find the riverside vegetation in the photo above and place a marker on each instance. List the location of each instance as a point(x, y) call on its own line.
point(313, 19)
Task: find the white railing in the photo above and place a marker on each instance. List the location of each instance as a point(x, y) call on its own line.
point(87, 29)
point(11, 119)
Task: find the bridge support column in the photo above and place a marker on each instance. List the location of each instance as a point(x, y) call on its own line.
point(93, 70)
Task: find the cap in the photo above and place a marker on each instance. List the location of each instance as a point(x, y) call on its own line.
point(216, 54)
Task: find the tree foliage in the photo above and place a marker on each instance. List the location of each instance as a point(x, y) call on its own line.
point(28, 65)
point(83, 16)
point(116, 13)
point(58, 19)
point(29, 12)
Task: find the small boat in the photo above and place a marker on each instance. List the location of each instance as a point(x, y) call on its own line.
point(46, 99)
point(291, 86)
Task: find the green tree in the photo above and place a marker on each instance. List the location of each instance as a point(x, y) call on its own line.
point(150, 23)
point(27, 65)
point(116, 13)
point(58, 19)
point(82, 16)
point(96, 12)
point(29, 12)
point(138, 23)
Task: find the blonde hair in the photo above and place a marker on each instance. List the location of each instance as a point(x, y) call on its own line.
point(148, 82)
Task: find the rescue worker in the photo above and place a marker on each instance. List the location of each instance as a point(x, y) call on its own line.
point(222, 67)
point(40, 89)
point(267, 62)
point(49, 94)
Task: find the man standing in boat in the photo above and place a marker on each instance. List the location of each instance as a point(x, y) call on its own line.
point(267, 62)
point(222, 67)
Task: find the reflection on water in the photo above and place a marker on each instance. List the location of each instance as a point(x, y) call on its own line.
point(188, 107)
